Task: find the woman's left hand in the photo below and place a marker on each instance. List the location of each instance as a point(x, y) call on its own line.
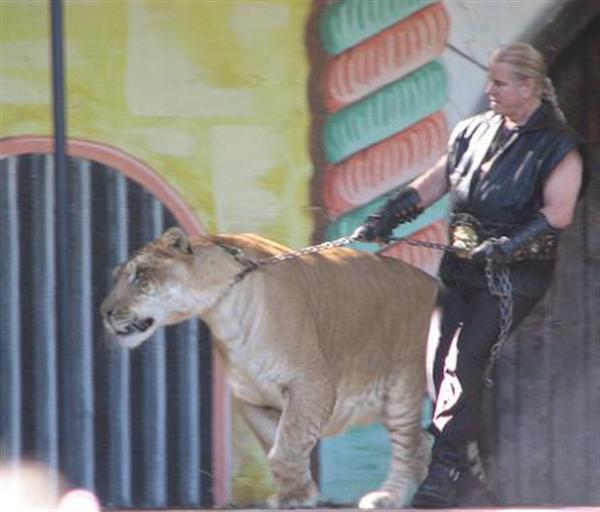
point(496, 249)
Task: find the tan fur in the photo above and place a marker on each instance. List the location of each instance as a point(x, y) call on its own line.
point(312, 345)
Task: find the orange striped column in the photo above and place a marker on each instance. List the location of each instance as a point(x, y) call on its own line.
point(383, 91)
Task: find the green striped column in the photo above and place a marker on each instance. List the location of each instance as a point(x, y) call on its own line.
point(386, 112)
point(346, 23)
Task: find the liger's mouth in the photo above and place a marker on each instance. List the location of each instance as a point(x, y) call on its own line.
point(138, 326)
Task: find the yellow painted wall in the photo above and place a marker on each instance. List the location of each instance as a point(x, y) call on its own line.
point(25, 93)
point(210, 94)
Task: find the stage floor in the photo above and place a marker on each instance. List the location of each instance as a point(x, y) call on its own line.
point(472, 509)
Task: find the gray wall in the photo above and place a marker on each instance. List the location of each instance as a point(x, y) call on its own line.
point(544, 421)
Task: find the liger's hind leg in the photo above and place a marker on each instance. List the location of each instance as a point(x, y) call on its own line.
point(410, 449)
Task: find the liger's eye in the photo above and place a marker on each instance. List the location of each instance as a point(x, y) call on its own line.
point(136, 276)
point(141, 281)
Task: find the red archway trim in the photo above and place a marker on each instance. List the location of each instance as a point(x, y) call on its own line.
point(110, 156)
point(141, 173)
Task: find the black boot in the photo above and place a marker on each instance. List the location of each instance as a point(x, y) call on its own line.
point(443, 484)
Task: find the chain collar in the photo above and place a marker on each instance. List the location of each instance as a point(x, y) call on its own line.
point(251, 265)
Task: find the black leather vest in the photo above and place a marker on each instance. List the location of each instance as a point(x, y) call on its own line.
point(498, 178)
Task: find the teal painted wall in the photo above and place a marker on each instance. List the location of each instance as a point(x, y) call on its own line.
point(354, 463)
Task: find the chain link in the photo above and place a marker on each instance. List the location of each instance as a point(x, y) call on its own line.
point(313, 249)
point(428, 245)
point(341, 242)
point(499, 285)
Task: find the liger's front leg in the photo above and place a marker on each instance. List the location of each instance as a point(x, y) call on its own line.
point(298, 431)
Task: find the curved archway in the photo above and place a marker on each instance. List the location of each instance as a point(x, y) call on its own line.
point(110, 156)
point(142, 174)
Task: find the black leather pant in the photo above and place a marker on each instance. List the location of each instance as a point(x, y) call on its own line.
point(469, 326)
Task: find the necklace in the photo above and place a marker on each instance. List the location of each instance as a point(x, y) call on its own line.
point(504, 137)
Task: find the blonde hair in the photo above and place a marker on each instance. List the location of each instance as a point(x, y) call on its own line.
point(526, 62)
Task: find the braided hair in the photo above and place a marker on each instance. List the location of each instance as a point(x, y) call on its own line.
point(527, 62)
point(549, 94)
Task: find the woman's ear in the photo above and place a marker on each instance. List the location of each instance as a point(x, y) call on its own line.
point(528, 87)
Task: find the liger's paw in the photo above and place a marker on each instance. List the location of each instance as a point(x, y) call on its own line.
point(305, 497)
point(379, 499)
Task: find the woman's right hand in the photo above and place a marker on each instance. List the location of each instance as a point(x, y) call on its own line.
point(372, 230)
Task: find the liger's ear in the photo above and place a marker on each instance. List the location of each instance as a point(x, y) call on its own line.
point(177, 239)
point(117, 270)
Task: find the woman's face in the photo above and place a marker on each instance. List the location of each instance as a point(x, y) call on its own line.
point(508, 94)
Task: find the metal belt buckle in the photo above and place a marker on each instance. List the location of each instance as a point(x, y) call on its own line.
point(464, 239)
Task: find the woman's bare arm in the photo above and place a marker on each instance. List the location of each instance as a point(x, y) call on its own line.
point(561, 190)
point(433, 184)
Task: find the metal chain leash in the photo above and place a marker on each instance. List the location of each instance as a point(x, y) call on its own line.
point(424, 243)
point(346, 240)
point(497, 277)
point(250, 265)
point(312, 249)
point(499, 285)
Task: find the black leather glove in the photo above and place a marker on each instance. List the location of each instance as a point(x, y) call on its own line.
point(505, 249)
point(493, 249)
point(369, 232)
point(403, 207)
